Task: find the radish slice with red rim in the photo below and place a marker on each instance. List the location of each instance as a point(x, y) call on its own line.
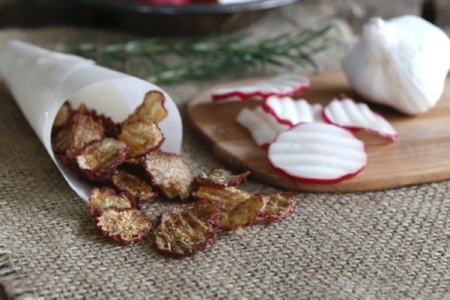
point(262, 126)
point(288, 111)
point(281, 85)
point(318, 153)
point(357, 116)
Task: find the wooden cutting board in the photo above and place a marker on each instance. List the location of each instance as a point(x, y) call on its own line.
point(420, 154)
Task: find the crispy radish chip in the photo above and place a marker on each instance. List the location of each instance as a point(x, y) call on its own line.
point(239, 208)
point(318, 153)
point(221, 177)
point(61, 140)
point(100, 159)
point(152, 110)
point(262, 126)
point(127, 225)
point(111, 128)
point(292, 112)
point(102, 198)
point(181, 234)
point(281, 85)
point(357, 116)
point(64, 115)
point(169, 174)
point(237, 215)
point(141, 137)
point(133, 185)
point(85, 130)
point(277, 206)
point(221, 194)
point(204, 209)
point(84, 110)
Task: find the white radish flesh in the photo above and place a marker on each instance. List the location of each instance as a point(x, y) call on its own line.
point(288, 111)
point(317, 153)
point(357, 116)
point(262, 126)
point(281, 85)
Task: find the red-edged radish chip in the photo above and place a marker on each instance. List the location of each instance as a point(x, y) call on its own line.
point(133, 185)
point(169, 173)
point(318, 153)
point(141, 137)
point(126, 225)
point(103, 198)
point(221, 177)
point(181, 234)
point(288, 111)
point(262, 126)
point(277, 206)
point(281, 85)
point(64, 115)
point(99, 160)
point(357, 116)
point(205, 209)
point(84, 131)
point(239, 208)
point(151, 110)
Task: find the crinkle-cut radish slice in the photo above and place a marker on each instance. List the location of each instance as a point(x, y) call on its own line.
point(262, 126)
point(318, 153)
point(357, 116)
point(281, 85)
point(288, 111)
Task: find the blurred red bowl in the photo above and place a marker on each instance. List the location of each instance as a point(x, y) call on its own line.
point(177, 20)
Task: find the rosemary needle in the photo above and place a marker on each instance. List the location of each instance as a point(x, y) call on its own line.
point(211, 56)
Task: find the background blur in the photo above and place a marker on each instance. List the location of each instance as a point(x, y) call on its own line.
point(33, 13)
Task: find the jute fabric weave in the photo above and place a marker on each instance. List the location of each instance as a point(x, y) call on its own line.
point(388, 244)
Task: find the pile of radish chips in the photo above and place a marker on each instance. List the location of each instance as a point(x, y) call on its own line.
point(305, 141)
point(217, 204)
point(127, 168)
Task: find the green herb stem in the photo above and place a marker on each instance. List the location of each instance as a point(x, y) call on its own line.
point(207, 57)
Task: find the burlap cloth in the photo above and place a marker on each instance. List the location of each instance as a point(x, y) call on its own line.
point(387, 244)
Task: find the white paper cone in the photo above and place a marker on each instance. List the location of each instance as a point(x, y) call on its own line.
point(41, 81)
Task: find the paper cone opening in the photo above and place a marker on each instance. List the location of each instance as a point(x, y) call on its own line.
point(41, 81)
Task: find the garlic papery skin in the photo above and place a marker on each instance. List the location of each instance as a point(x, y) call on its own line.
point(402, 63)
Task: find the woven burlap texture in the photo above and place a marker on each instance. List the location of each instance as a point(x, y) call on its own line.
point(374, 245)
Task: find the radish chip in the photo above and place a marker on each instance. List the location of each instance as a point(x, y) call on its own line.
point(281, 85)
point(125, 225)
point(317, 153)
point(291, 112)
point(181, 234)
point(263, 127)
point(357, 116)
point(276, 206)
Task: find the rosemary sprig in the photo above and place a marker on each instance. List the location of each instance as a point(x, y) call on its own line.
point(207, 57)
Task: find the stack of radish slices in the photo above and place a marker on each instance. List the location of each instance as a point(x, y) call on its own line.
point(310, 142)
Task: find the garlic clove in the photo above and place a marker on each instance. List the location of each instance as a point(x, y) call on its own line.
point(402, 63)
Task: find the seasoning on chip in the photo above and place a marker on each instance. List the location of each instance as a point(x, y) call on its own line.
point(126, 225)
point(133, 185)
point(169, 174)
point(103, 198)
point(100, 159)
point(221, 177)
point(182, 234)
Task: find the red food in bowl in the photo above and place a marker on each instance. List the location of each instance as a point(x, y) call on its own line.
point(167, 2)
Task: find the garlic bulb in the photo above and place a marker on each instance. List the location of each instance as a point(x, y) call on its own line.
point(402, 63)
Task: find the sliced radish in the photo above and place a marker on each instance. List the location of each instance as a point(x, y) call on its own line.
point(281, 85)
point(357, 116)
point(317, 153)
point(262, 126)
point(291, 112)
